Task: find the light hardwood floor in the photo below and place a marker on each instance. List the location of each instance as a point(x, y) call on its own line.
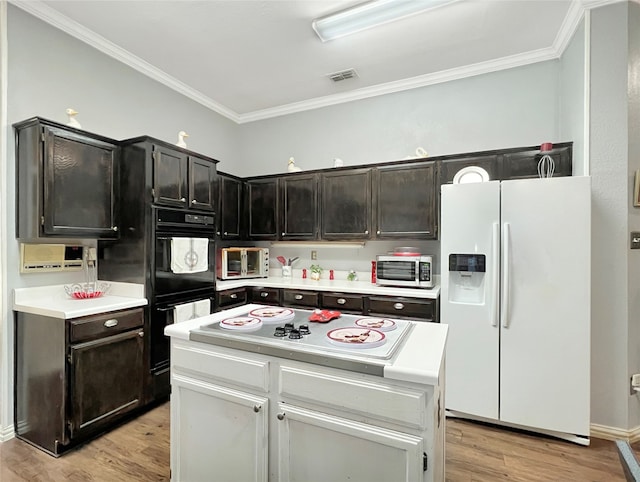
point(139, 451)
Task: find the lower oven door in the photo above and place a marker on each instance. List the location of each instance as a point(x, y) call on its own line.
point(164, 314)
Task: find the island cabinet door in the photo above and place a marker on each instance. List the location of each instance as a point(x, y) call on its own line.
point(317, 446)
point(217, 433)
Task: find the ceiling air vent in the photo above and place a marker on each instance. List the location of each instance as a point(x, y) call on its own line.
point(343, 75)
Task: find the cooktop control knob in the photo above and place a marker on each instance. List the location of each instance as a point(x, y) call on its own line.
point(288, 327)
point(295, 334)
point(280, 332)
point(304, 329)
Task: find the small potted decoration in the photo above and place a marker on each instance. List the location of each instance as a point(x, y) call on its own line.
point(316, 271)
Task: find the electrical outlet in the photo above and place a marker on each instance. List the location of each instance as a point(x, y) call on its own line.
point(314, 255)
point(635, 383)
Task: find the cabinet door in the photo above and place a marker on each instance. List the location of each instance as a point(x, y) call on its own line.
point(400, 307)
point(346, 204)
point(217, 433)
point(106, 380)
point(450, 167)
point(405, 199)
point(299, 212)
point(80, 185)
point(202, 184)
point(230, 207)
point(169, 177)
point(263, 208)
point(524, 164)
point(311, 443)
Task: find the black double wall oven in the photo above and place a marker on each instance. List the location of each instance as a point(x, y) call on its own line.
point(182, 273)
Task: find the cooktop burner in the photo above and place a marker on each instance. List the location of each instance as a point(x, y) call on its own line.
point(334, 336)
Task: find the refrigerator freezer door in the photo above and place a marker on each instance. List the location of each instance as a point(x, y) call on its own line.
point(470, 225)
point(545, 346)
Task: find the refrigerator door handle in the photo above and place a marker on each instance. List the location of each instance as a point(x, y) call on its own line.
point(506, 253)
point(495, 251)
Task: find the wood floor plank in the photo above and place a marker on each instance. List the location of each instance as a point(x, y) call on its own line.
point(139, 451)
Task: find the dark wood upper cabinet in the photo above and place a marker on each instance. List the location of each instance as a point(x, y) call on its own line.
point(67, 182)
point(450, 167)
point(169, 177)
point(230, 212)
point(202, 184)
point(405, 201)
point(262, 205)
point(524, 164)
point(346, 204)
point(299, 207)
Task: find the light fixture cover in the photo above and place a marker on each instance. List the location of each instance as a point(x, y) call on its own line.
point(369, 14)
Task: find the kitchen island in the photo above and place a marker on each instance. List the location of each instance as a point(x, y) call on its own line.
point(248, 405)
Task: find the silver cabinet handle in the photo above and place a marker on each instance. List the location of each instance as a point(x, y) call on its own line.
point(233, 296)
point(341, 301)
point(141, 334)
point(111, 323)
point(264, 294)
point(398, 306)
point(298, 297)
point(280, 416)
point(283, 234)
point(256, 408)
point(366, 232)
point(194, 201)
point(225, 233)
point(378, 231)
point(218, 233)
point(114, 228)
point(183, 199)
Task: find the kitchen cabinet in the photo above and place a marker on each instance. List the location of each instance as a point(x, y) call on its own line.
point(405, 199)
point(230, 211)
point(291, 418)
point(524, 163)
point(346, 204)
point(449, 167)
point(230, 298)
point(264, 296)
point(299, 207)
point(403, 307)
point(300, 298)
point(76, 377)
point(183, 180)
point(344, 302)
point(67, 182)
point(262, 204)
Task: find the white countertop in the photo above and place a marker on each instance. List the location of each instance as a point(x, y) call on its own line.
point(419, 358)
point(52, 300)
point(342, 286)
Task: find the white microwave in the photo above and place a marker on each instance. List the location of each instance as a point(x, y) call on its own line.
point(235, 263)
point(414, 271)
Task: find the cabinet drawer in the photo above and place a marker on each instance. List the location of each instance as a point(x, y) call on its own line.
point(362, 395)
point(90, 327)
point(265, 296)
point(229, 298)
point(399, 307)
point(343, 302)
point(300, 298)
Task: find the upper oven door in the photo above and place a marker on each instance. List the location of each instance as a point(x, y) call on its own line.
point(184, 255)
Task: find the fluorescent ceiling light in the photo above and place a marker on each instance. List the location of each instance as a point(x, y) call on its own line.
point(369, 14)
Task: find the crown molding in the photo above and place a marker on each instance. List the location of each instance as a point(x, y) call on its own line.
point(49, 15)
point(54, 18)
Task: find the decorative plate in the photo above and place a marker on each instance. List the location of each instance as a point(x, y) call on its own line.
point(470, 174)
point(272, 314)
point(380, 324)
point(241, 323)
point(356, 337)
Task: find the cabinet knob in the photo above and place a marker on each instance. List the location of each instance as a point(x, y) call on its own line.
point(194, 201)
point(264, 294)
point(378, 231)
point(233, 296)
point(183, 199)
point(280, 416)
point(341, 301)
point(298, 297)
point(111, 323)
point(398, 306)
point(114, 228)
point(141, 334)
point(218, 233)
point(256, 408)
point(283, 234)
point(366, 232)
point(225, 233)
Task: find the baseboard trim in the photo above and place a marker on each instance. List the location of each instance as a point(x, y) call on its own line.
point(614, 433)
point(7, 433)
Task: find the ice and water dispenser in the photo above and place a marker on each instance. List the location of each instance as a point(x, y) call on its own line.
point(467, 278)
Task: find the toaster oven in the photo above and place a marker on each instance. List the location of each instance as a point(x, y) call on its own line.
point(410, 271)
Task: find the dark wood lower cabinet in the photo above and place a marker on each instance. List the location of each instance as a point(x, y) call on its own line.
point(75, 378)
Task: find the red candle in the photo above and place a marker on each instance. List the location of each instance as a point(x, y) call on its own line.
point(373, 272)
point(304, 273)
point(330, 274)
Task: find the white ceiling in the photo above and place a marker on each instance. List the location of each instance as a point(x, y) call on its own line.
point(254, 59)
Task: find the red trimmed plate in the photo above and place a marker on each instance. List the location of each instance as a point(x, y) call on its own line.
point(356, 337)
point(380, 324)
point(241, 323)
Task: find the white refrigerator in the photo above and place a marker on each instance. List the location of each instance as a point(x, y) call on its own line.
point(515, 292)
